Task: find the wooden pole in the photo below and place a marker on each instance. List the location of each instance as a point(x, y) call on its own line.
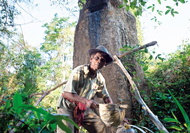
point(139, 48)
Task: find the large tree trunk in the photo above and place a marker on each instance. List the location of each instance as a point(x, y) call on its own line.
point(101, 22)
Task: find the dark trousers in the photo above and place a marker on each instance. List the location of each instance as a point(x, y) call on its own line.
point(92, 122)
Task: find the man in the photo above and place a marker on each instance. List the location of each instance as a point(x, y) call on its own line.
point(84, 84)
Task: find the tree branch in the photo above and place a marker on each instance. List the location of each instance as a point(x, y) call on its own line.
point(139, 48)
point(48, 90)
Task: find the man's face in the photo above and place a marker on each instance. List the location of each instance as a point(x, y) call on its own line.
point(97, 61)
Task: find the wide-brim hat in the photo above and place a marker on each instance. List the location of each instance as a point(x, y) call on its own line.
point(102, 49)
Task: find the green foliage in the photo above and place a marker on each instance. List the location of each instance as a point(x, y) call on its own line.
point(26, 70)
point(171, 74)
point(163, 74)
point(38, 121)
point(177, 125)
point(58, 51)
point(138, 6)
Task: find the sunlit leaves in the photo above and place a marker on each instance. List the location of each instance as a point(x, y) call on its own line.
point(8, 104)
point(182, 1)
point(171, 10)
point(177, 2)
point(17, 101)
point(159, 1)
point(159, 12)
point(121, 6)
point(145, 68)
point(186, 118)
point(152, 7)
point(171, 120)
point(154, 18)
point(49, 120)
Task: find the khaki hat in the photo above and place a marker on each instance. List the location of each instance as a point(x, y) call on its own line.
point(100, 48)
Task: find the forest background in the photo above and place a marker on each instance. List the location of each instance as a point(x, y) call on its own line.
point(30, 68)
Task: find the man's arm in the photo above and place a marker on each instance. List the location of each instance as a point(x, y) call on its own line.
point(76, 98)
point(108, 100)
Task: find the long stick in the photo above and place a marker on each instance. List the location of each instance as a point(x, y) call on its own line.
point(48, 90)
point(139, 48)
point(148, 112)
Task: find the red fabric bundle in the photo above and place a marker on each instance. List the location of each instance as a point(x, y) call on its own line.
point(78, 112)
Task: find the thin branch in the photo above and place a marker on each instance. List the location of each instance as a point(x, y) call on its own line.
point(139, 48)
point(27, 12)
point(48, 90)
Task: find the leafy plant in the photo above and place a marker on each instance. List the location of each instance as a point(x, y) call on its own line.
point(177, 124)
point(46, 120)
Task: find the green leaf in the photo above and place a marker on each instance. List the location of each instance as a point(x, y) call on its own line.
point(37, 114)
point(59, 119)
point(187, 121)
point(17, 101)
point(160, 58)
point(145, 68)
point(127, 8)
point(182, 1)
point(159, 2)
point(125, 1)
point(167, 12)
point(7, 104)
point(152, 9)
point(171, 120)
point(175, 127)
point(151, 57)
point(149, 7)
point(168, 7)
point(143, 3)
point(121, 6)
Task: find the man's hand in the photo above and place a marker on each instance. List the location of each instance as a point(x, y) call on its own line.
point(91, 104)
point(76, 98)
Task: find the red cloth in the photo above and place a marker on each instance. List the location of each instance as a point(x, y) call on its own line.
point(78, 112)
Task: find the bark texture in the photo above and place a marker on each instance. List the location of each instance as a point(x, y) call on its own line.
point(101, 22)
